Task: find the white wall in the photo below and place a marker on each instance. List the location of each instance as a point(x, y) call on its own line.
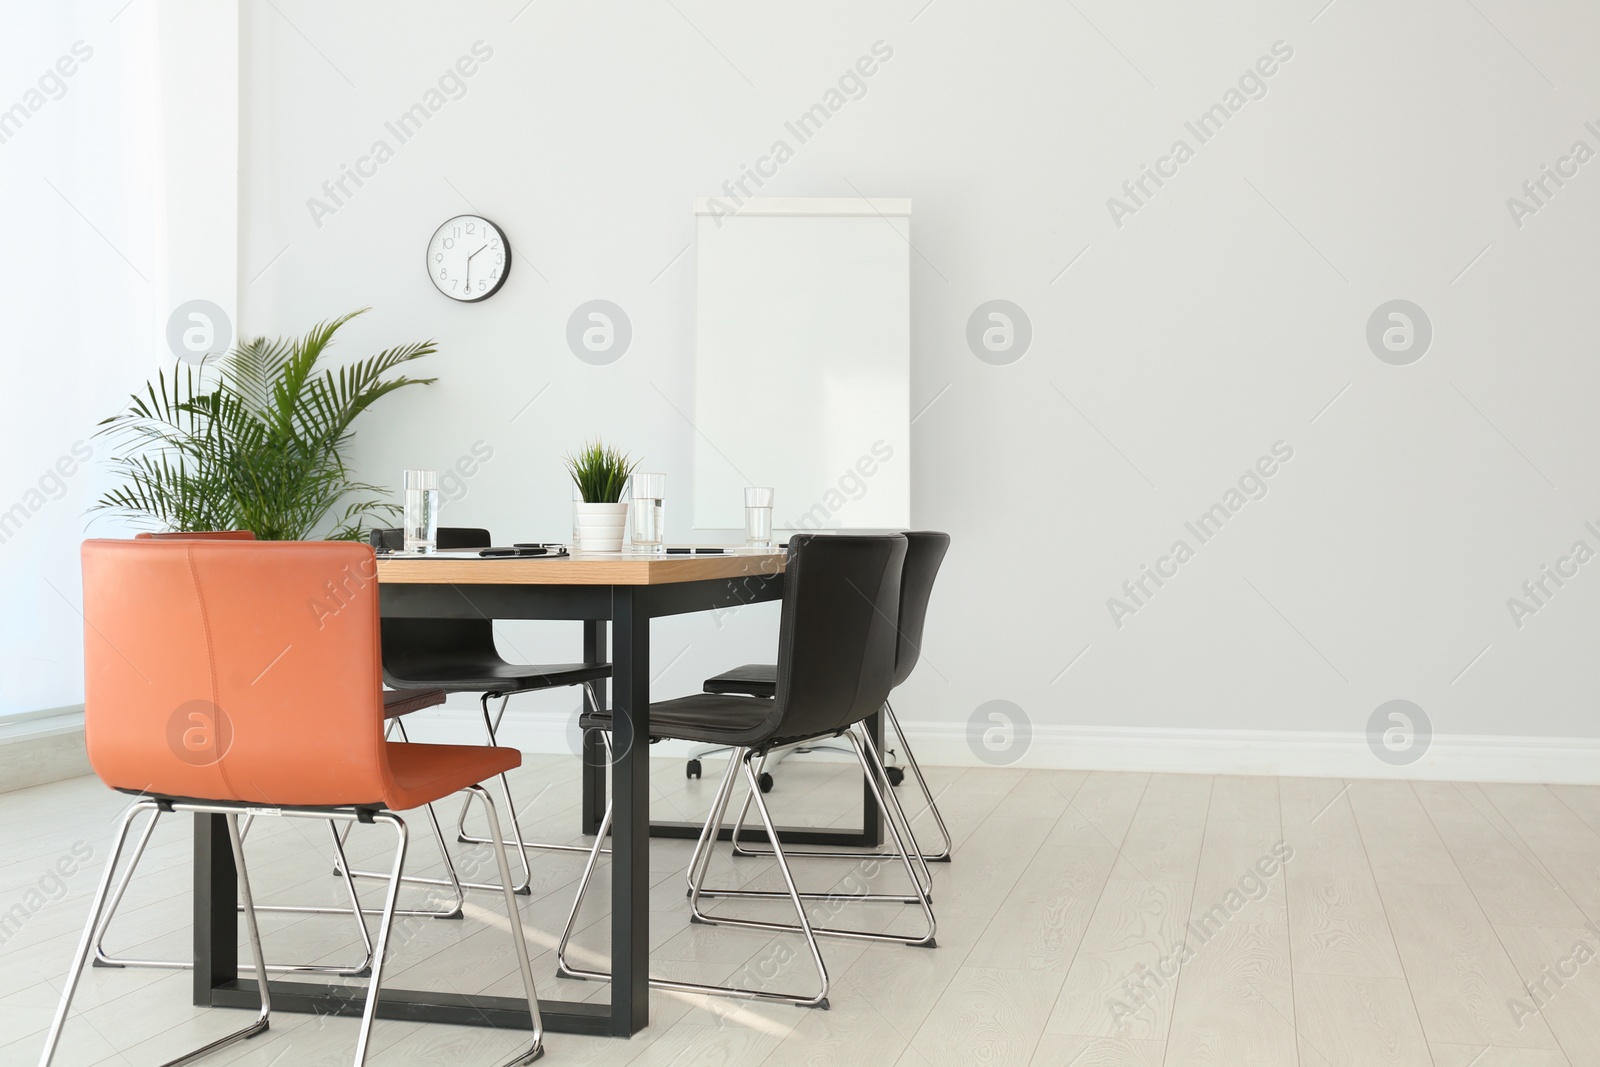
point(118, 154)
point(1168, 352)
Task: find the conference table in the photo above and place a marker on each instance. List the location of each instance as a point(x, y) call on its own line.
point(619, 592)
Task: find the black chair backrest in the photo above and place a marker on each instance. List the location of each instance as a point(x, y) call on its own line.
point(925, 551)
point(412, 646)
point(837, 636)
point(448, 538)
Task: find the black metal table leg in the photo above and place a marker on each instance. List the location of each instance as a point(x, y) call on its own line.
point(630, 830)
point(216, 978)
point(594, 757)
point(871, 816)
point(216, 918)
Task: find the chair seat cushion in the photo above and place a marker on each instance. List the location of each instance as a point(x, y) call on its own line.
point(425, 773)
point(753, 679)
point(717, 720)
point(398, 702)
point(489, 675)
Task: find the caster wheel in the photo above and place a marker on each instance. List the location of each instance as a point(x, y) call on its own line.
point(896, 775)
point(766, 782)
point(692, 769)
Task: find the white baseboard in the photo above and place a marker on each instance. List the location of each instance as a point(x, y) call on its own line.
point(1288, 753)
point(53, 749)
point(47, 747)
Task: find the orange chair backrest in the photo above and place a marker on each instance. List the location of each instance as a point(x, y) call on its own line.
point(198, 535)
point(235, 670)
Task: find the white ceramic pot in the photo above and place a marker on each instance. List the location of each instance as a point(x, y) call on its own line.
point(601, 526)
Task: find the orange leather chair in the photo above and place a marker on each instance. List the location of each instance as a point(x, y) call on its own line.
point(224, 676)
point(396, 702)
point(198, 535)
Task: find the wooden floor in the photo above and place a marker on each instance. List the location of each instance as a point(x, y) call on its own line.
point(1088, 919)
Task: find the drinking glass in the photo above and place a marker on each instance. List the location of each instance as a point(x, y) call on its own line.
point(577, 498)
point(649, 491)
point(422, 510)
point(757, 517)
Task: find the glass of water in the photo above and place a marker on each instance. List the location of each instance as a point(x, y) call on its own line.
point(757, 517)
point(422, 510)
point(648, 492)
point(577, 498)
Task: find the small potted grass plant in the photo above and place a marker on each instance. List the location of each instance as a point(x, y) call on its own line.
point(600, 474)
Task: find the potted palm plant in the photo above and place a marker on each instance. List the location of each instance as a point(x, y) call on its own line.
point(255, 440)
point(600, 473)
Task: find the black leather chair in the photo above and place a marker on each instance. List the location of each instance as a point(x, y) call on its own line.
point(836, 657)
point(459, 656)
point(925, 552)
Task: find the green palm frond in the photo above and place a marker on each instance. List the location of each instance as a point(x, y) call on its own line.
point(332, 402)
point(255, 441)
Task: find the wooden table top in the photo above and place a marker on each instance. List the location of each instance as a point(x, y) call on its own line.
point(603, 568)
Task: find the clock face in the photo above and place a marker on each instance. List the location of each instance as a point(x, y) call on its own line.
point(469, 258)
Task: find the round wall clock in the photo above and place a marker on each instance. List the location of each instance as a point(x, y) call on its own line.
point(469, 258)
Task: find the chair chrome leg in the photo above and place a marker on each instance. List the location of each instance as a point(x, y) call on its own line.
point(492, 726)
point(525, 885)
point(459, 893)
point(891, 811)
point(890, 801)
point(102, 958)
point(777, 756)
point(517, 839)
point(943, 855)
point(261, 1023)
point(902, 853)
point(518, 938)
point(563, 969)
point(741, 848)
point(81, 956)
point(253, 932)
point(713, 827)
point(714, 817)
point(738, 824)
point(355, 898)
point(700, 861)
point(453, 881)
point(92, 926)
point(876, 775)
point(867, 752)
point(700, 858)
point(370, 1010)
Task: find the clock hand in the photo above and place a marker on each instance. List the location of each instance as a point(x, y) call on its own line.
point(469, 265)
